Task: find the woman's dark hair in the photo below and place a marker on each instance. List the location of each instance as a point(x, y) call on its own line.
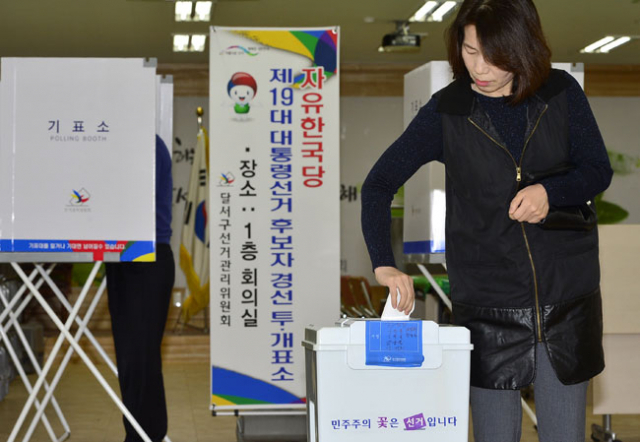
point(510, 37)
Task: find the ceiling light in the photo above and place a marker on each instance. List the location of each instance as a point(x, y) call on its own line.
point(439, 13)
point(197, 42)
point(593, 46)
point(189, 42)
point(422, 13)
point(203, 11)
point(604, 45)
point(187, 11)
point(183, 11)
point(433, 10)
point(614, 44)
point(181, 43)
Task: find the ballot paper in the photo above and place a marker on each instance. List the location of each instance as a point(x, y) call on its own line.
point(391, 314)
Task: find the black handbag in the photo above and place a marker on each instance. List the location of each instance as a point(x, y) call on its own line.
point(581, 217)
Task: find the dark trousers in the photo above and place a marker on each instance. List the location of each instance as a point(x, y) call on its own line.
point(139, 296)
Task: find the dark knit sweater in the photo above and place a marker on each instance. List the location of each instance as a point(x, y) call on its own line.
point(422, 142)
point(164, 192)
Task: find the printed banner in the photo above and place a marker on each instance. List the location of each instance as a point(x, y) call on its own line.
point(77, 156)
point(275, 226)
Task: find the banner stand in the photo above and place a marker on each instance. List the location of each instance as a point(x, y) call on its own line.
point(15, 259)
point(83, 205)
point(290, 428)
point(274, 117)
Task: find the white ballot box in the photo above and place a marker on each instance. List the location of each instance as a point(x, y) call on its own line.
point(372, 380)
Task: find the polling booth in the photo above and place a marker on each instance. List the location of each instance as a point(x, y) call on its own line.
point(77, 184)
point(164, 109)
point(424, 197)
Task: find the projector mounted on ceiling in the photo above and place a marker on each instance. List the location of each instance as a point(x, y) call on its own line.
point(400, 40)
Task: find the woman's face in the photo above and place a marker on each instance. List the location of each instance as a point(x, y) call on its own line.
point(487, 79)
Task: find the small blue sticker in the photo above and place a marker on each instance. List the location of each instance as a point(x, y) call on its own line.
point(394, 343)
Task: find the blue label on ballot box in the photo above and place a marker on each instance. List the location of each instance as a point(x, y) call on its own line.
point(394, 343)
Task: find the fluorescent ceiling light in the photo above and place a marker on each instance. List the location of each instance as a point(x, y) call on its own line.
point(614, 44)
point(203, 11)
point(183, 11)
point(442, 10)
point(593, 46)
point(186, 11)
point(197, 42)
point(181, 43)
point(604, 45)
point(189, 43)
point(421, 14)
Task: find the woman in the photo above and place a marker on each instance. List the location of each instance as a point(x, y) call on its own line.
point(530, 296)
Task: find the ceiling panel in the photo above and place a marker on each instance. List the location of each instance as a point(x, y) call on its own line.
point(144, 28)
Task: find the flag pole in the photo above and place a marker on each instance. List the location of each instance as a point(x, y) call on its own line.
point(194, 254)
point(200, 114)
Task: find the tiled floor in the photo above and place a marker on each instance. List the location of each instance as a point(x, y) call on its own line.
point(93, 417)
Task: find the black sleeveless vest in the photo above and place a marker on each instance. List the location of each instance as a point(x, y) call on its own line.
point(514, 284)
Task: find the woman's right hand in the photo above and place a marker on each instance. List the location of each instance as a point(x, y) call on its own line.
point(395, 280)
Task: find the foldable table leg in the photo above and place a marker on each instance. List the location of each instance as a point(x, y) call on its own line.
point(82, 327)
point(18, 295)
point(65, 334)
point(82, 322)
point(25, 379)
point(13, 322)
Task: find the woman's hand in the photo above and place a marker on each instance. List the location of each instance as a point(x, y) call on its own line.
point(530, 205)
point(395, 279)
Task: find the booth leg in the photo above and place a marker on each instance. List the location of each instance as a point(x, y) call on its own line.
point(65, 334)
point(25, 379)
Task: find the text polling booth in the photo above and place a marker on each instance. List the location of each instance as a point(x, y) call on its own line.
point(77, 184)
point(275, 228)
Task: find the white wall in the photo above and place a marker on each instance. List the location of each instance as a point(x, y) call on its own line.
point(619, 122)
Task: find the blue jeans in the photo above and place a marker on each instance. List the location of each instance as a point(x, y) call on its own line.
point(560, 409)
